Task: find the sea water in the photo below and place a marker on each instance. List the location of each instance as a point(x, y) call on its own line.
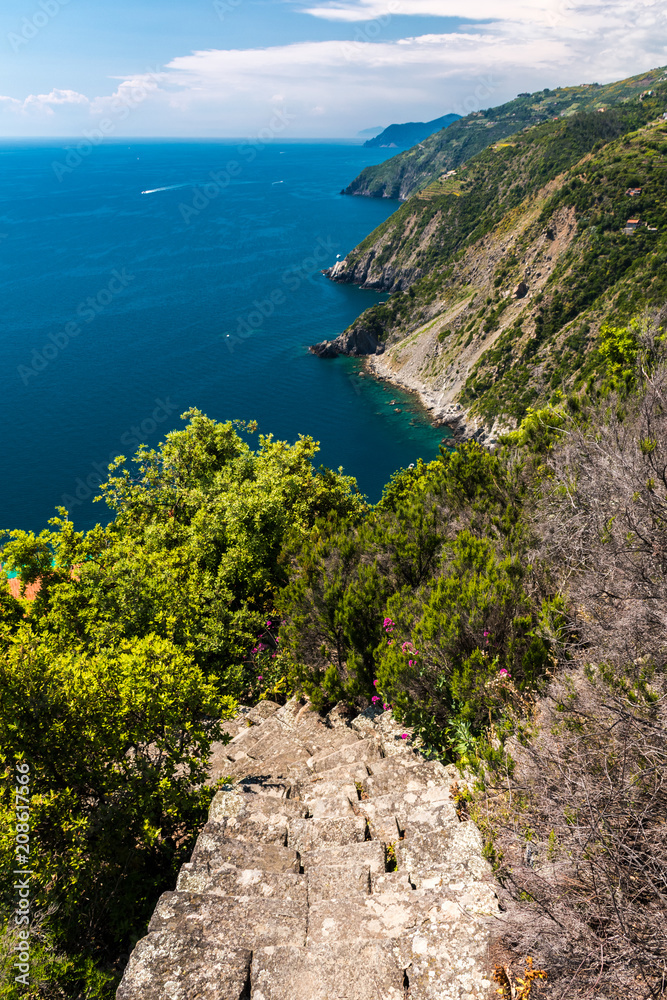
point(145, 278)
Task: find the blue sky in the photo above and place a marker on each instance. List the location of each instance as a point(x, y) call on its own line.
point(314, 68)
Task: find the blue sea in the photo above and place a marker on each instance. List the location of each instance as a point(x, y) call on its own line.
point(145, 278)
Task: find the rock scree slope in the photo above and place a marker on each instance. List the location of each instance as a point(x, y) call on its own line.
point(333, 867)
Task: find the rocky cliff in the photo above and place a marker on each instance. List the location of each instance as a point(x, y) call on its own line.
point(333, 865)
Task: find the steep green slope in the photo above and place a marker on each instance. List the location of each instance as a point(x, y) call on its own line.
point(522, 257)
point(413, 170)
point(436, 222)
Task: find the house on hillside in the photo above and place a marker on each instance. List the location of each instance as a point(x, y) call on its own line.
point(633, 192)
point(631, 225)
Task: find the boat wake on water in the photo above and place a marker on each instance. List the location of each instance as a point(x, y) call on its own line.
point(170, 187)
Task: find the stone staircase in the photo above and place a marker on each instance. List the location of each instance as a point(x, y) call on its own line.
point(333, 867)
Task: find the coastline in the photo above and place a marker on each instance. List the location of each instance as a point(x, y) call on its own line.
point(439, 408)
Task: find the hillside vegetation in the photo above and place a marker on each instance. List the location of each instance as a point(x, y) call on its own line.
point(408, 172)
point(408, 134)
point(505, 273)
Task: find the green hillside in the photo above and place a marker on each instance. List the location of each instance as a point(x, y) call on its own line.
point(414, 169)
point(545, 210)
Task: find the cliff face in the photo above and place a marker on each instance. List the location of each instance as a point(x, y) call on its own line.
point(503, 273)
point(334, 864)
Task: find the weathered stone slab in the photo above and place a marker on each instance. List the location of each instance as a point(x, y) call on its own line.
point(232, 881)
point(333, 806)
point(370, 852)
point(263, 710)
point(354, 971)
point(168, 966)
point(391, 882)
point(338, 881)
point(342, 777)
point(249, 817)
point(393, 817)
point(352, 753)
point(213, 850)
point(453, 853)
point(445, 953)
point(307, 834)
point(234, 920)
point(380, 917)
point(394, 776)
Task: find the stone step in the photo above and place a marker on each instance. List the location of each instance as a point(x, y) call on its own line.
point(393, 775)
point(234, 801)
point(370, 852)
point(342, 777)
point(338, 881)
point(238, 921)
point(366, 970)
point(391, 882)
point(352, 753)
point(408, 814)
point(379, 917)
point(254, 828)
point(232, 881)
point(307, 834)
point(184, 964)
point(213, 851)
point(453, 854)
point(334, 806)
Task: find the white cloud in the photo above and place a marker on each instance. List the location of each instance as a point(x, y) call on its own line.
point(45, 103)
point(336, 87)
point(367, 10)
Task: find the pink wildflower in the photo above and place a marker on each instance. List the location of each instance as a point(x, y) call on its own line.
point(404, 736)
point(411, 663)
point(260, 678)
point(375, 683)
point(375, 699)
point(385, 707)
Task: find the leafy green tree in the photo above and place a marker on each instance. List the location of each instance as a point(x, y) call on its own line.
point(114, 679)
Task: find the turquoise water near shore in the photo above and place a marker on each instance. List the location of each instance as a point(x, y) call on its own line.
point(155, 276)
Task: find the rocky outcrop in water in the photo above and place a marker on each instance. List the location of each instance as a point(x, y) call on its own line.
point(357, 341)
point(333, 865)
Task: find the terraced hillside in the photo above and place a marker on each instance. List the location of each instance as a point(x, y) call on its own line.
point(508, 270)
point(414, 169)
